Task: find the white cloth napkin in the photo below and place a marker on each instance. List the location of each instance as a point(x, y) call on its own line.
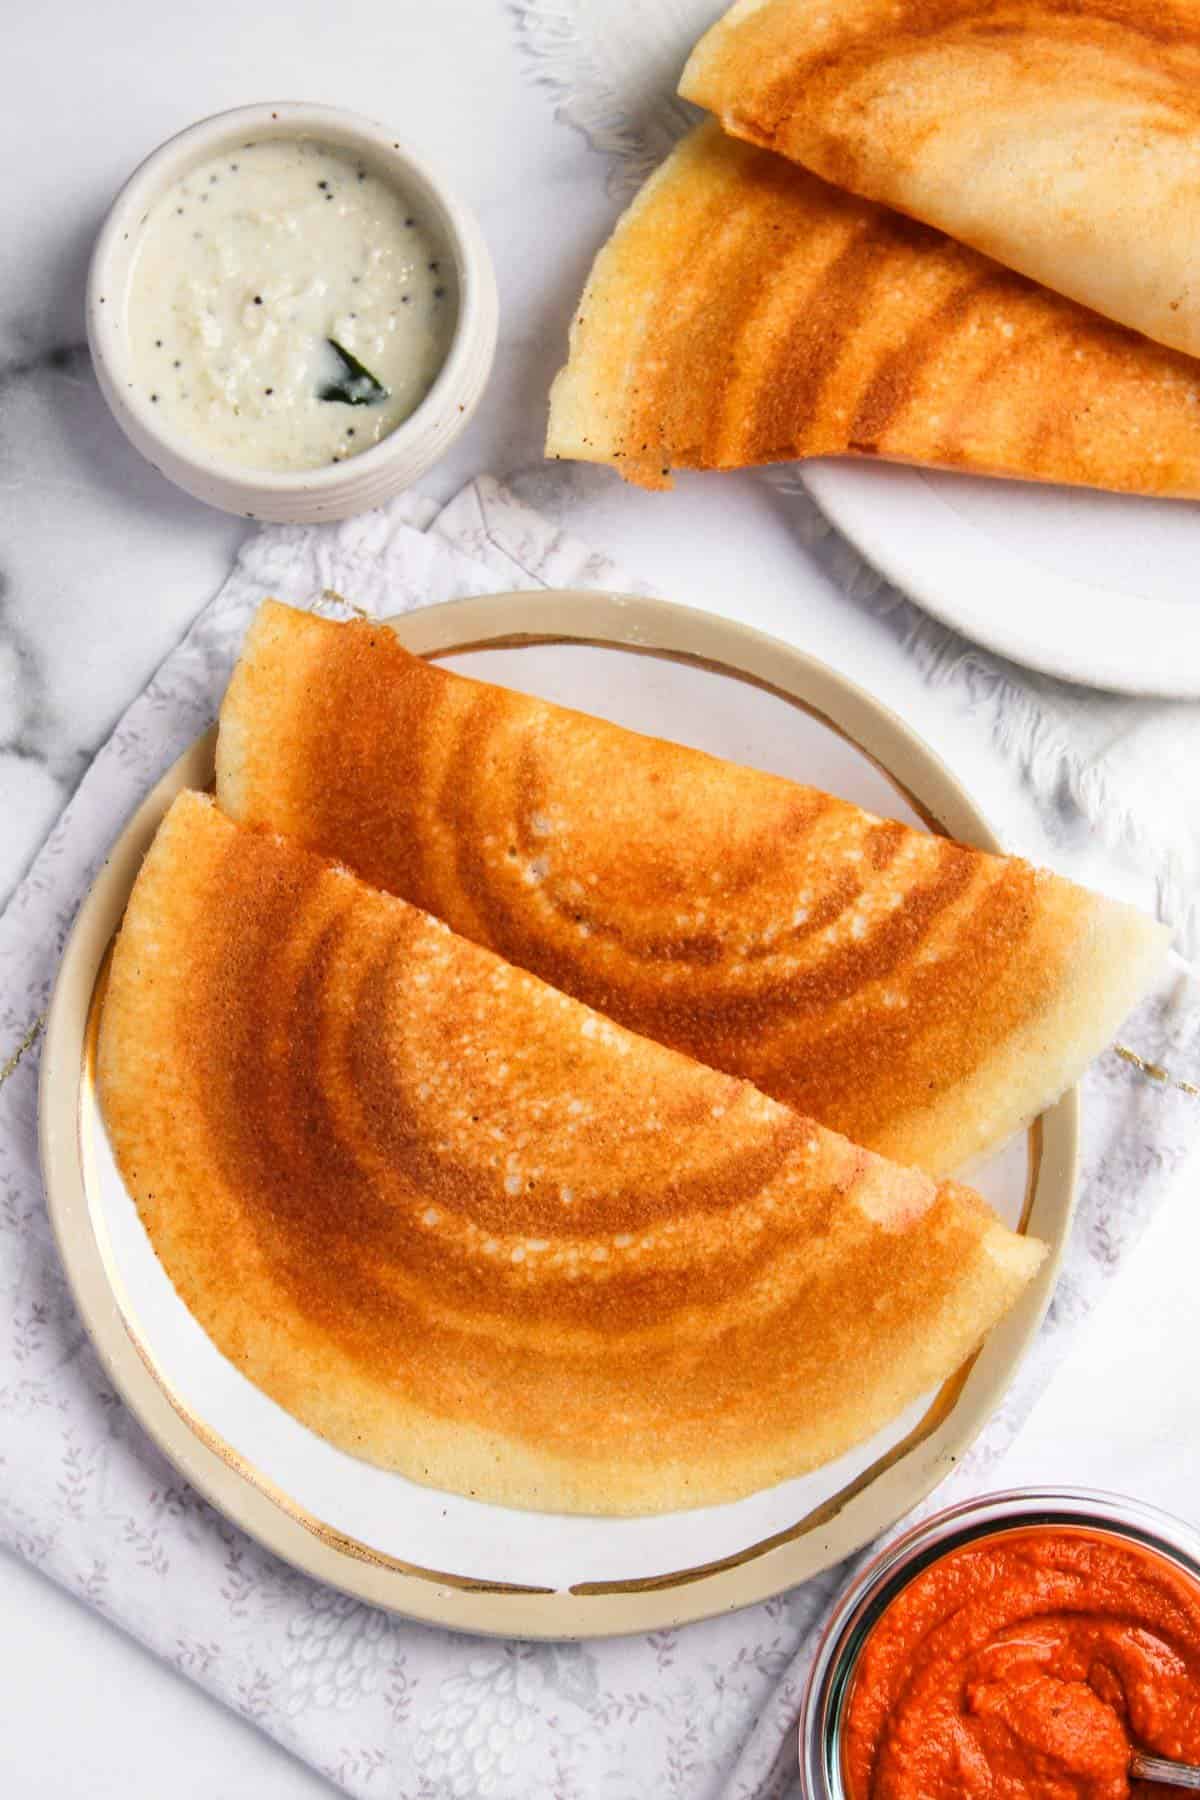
point(1118, 768)
point(381, 1706)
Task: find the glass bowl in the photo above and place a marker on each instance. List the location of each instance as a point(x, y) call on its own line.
point(880, 1580)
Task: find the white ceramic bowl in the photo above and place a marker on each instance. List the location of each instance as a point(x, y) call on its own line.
point(341, 488)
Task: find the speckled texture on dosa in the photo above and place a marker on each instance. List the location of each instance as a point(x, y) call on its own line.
point(87, 1500)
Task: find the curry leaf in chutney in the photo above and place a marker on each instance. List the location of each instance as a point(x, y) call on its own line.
point(354, 384)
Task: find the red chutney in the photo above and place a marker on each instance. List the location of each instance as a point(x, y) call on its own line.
point(1026, 1667)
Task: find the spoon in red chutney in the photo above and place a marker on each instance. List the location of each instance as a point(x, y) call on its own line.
point(1171, 1774)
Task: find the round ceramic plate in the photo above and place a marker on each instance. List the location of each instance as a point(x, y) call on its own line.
point(442, 1557)
point(1095, 588)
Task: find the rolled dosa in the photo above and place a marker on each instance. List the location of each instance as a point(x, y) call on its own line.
point(922, 997)
point(1061, 137)
point(468, 1229)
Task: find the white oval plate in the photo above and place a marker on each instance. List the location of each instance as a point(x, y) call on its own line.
point(440, 1556)
point(1094, 588)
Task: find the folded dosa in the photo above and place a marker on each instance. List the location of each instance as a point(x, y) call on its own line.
point(923, 998)
point(466, 1228)
point(1061, 137)
point(746, 312)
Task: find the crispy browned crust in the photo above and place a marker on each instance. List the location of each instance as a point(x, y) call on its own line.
point(745, 312)
point(468, 1229)
point(922, 997)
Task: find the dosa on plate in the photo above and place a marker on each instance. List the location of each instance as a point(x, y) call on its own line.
point(1061, 137)
point(468, 1229)
point(924, 998)
point(744, 311)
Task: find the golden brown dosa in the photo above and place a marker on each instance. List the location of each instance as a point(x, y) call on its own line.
point(745, 312)
point(1061, 137)
point(468, 1229)
point(924, 998)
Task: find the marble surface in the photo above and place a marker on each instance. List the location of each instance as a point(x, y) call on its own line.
point(103, 564)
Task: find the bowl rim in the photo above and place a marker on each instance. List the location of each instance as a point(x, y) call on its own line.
point(862, 1602)
point(342, 128)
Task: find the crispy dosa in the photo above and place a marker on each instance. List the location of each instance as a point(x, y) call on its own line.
point(923, 998)
point(745, 312)
point(468, 1229)
point(1061, 137)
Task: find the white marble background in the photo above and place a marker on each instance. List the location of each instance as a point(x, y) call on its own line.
point(102, 565)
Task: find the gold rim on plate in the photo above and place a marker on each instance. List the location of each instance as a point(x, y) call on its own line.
point(897, 1481)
